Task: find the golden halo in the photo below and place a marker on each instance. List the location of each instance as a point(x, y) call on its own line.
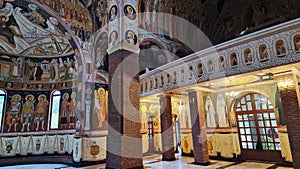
point(129, 8)
point(66, 95)
point(16, 95)
point(101, 90)
point(73, 95)
point(29, 95)
point(40, 97)
point(6, 17)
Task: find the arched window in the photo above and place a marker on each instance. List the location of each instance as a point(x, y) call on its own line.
point(55, 107)
point(2, 101)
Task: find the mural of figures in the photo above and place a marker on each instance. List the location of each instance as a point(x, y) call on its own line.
point(221, 63)
point(64, 111)
point(210, 67)
point(101, 105)
point(113, 12)
point(50, 70)
point(210, 113)
point(248, 56)
point(13, 112)
point(41, 111)
point(233, 60)
point(280, 48)
point(28, 32)
point(101, 13)
point(296, 42)
point(113, 37)
point(101, 59)
point(222, 111)
point(199, 69)
point(263, 53)
point(130, 12)
point(27, 111)
point(131, 37)
point(72, 119)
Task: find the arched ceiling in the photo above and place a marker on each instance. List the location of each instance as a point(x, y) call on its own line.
point(28, 30)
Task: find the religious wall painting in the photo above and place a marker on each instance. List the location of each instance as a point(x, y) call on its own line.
point(76, 15)
point(130, 37)
point(64, 111)
point(101, 59)
point(263, 53)
point(199, 69)
point(51, 70)
point(210, 113)
point(221, 63)
point(233, 60)
point(210, 66)
point(13, 113)
point(101, 13)
point(296, 43)
point(113, 37)
point(100, 108)
point(161, 59)
point(248, 56)
point(280, 48)
point(27, 30)
point(216, 110)
point(11, 68)
point(130, 12)
point(41, 112)
point(113, 12)
point(26, 111)
point(222, 112)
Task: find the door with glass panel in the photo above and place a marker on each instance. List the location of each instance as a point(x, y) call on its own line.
point(257, 128)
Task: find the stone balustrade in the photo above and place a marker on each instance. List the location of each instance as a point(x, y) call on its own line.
point(275, 46)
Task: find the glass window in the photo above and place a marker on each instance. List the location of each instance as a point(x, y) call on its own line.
point(2, 101)
point(243, 138)
point(55, 109)
point(243, 101)
point(248, 97)
point(249, 105)
point(272, 116)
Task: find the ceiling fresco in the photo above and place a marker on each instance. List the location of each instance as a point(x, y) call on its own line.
point(27, 30)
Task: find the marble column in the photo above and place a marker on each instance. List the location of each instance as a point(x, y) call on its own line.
point(196, 104)
point(290, 105)
point(166, 128)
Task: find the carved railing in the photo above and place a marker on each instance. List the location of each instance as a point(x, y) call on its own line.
point(275, 46)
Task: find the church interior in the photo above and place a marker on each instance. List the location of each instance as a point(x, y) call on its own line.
point(85, 82)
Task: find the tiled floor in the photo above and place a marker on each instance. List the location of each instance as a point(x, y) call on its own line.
point(154, 162)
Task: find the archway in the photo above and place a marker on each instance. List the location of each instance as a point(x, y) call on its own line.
point(257, 128)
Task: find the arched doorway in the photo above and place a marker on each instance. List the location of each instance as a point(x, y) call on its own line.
point(257, 128)
point(151, 133)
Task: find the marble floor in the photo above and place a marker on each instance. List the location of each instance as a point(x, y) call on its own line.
point(155, 162)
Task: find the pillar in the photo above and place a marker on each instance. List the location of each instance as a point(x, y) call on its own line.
point(197, 113)
point(124, 141)
point(168, 153)
point(291, 110)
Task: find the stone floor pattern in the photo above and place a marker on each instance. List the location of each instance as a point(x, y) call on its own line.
point(154, 162)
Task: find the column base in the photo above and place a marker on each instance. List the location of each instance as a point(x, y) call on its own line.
point(169, 159)
point(140, 167)
point(201, 163)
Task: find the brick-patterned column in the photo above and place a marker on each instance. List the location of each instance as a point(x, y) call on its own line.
point(201, 156)
point(291, 111)
point(124, 141)
point(166, 128)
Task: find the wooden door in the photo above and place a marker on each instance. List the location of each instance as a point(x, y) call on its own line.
point(257, 128)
